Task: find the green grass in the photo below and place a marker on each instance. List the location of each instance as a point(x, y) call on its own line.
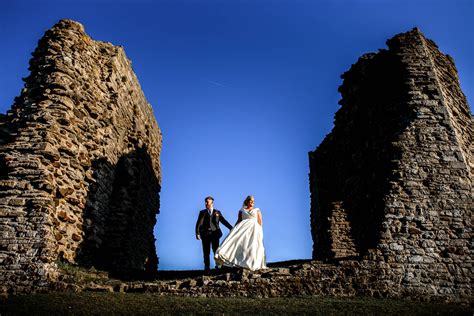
point(93, 303)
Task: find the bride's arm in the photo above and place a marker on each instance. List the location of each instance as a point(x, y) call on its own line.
point(259, 218)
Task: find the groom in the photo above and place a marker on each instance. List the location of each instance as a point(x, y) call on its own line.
point(208, 230)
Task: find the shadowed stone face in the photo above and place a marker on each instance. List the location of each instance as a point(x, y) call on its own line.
point(392, 182)
point(80, 170)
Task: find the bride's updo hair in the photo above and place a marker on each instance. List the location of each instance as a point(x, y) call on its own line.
point(247, 199)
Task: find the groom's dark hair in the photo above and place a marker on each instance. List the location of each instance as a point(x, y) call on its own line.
point(209, 198)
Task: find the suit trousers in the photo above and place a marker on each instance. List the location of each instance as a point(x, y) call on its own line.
point(207, 241)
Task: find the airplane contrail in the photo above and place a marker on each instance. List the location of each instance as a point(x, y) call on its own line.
point(216, 83)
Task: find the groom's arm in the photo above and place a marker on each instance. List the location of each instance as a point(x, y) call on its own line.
point(198, 225)
point(225, 222)
point(239, 219)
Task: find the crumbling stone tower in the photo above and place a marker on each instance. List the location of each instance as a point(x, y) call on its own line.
point(392, 182)
point(79, 164)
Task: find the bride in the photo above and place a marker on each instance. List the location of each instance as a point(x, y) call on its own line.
point(243, 247)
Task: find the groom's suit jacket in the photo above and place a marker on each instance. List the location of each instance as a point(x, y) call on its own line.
point(206, 224)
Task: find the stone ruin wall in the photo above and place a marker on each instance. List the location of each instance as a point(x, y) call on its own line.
point(79, 164)
point(456, 104)
point(391, 185)
point(399, 164)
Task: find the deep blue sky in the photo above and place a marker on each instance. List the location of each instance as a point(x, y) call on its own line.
point(242, 90)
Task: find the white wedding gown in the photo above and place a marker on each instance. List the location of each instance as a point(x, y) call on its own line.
point(243, 247)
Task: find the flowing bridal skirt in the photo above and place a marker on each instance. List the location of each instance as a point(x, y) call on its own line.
point(243, 247)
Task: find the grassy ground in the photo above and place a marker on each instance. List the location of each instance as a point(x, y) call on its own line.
point(93, 303)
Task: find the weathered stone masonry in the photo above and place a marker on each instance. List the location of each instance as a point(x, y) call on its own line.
point(398, 164)
point(391, 192)
point(391, 185)
point(79, 164)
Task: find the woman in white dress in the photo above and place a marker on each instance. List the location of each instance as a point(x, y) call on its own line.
point(243, 247)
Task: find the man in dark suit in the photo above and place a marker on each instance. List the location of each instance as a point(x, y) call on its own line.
point(208, 230)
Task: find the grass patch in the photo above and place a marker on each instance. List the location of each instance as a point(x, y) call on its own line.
point(82, 276)
point(87, 303)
